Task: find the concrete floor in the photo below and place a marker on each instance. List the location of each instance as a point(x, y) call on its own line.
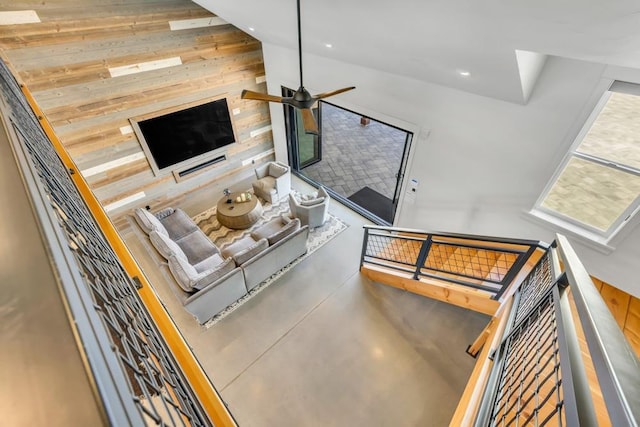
point(324, 346)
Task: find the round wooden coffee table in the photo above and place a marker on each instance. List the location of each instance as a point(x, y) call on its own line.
point(238, 215)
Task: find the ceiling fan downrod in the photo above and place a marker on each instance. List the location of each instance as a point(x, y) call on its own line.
point(300, 44)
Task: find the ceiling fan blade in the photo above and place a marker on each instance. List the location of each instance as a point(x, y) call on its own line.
point(308, 121)
point(248, 94)
point(335, 92)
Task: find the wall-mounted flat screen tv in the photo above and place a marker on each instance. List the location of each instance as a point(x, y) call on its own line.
point(175, 138)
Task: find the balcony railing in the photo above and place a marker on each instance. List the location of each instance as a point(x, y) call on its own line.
point(129, 361)
point(486, 263)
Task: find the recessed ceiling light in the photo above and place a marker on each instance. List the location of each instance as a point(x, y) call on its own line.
point(329, 45)
point(251, 29)
point(464, 73)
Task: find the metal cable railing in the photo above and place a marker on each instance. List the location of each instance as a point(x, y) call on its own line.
point(480, 262)
point(530, 389)
point(539, 375)
point(134, 372)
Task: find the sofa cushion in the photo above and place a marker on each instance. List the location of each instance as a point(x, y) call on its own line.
point(286, 230)
point(208, 263)
point(197, 246)
point(268, 183)
point(194, 278)
point(312, 202)
point(276, 230)
point(311, 196)
point(148, 221)
point(244, 249)
point(165, 245)
point(210, 275)
point(179, 224)
point(277, 170)
point(207, 277)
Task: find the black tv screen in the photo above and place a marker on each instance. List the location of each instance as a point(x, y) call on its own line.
point(182, 135)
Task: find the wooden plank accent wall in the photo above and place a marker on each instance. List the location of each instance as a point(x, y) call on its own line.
point(65, 62)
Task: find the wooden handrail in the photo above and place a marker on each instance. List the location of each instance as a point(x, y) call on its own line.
point(468, 405)
point(202, 387)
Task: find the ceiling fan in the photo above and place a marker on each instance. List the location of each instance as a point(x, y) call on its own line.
point(301, 99)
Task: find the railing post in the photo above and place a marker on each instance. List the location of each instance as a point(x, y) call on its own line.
point(422, 256)
point(365, 242)
point(513, 271)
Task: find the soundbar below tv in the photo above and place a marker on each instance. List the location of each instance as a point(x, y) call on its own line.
point(179, 137)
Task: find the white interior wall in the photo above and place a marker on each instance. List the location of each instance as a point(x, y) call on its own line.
point(484, 161)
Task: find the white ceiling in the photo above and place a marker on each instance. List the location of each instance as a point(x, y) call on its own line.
point(432, 40)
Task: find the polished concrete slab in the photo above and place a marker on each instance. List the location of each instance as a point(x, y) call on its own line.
point(325, 346)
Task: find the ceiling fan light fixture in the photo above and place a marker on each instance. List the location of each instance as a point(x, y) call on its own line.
point(301, 99)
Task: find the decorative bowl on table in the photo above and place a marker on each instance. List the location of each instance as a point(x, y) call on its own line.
point(243, 197)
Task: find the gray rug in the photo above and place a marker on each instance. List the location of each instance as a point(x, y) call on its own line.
point(222, 235)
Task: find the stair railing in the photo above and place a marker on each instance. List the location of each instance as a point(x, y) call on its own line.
point(486, 263)
point(558, 326)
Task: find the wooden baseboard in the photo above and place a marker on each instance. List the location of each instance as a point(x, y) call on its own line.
point(469, 298)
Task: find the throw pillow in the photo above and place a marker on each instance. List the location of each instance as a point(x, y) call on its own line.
point(276, 170)
point(268, 229)
point(312, 202)
point(285, 231)
point(209, 276)
point(248, 253)
point(148, 221)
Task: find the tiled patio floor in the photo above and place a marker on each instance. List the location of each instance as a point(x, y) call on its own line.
point(355, 156)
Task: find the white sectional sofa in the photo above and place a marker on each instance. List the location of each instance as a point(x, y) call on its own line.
point(209, 279)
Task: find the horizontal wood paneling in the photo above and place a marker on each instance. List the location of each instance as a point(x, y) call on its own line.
point(66, 59)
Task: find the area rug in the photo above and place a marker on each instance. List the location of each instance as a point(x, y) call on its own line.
point(222, 235)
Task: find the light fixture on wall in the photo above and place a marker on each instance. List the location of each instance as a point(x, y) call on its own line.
point(301, 99)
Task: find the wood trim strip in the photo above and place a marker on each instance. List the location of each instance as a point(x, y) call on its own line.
point(14, 17)
point(188, 24)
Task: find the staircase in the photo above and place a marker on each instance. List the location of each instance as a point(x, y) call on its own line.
point(552, 353)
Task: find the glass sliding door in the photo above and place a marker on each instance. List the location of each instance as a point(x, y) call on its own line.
point(309, 148)
point(304, 149)
point(360, 161)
